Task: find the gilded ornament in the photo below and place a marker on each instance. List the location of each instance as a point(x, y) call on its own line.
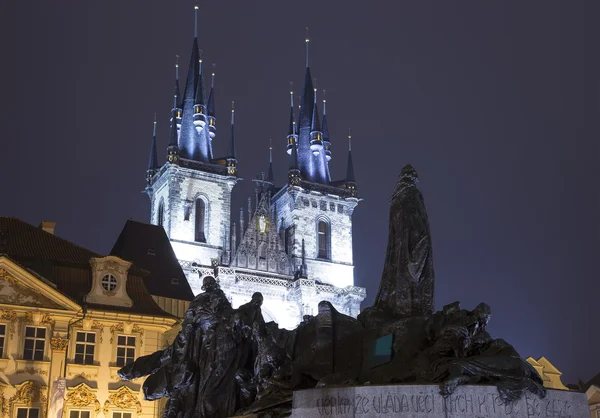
point(29, 393)
point(82, 396)
point(128, 328)
point(123, 398)
point(58, 343)
point(38, 318)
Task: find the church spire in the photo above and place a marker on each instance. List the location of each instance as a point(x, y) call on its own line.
point(199, 106)
point(292, 138)
point(325, 130)
point(231, 160)
point(173, 148)
point(153, 160)
point(177, 93)
point(210, 107)
point(270, 174)
point(316, 141)
point(350, 180)
point(294, 171)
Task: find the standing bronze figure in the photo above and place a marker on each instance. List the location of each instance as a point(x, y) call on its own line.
point(407, 282)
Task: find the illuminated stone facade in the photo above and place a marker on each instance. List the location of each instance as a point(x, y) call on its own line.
point(306, 257)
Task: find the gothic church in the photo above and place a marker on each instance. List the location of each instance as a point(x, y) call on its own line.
point(294, 244)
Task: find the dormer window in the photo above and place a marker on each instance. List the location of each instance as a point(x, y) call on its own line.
point(109, 282)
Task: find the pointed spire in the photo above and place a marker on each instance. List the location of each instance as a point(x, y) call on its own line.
point(241, 222)
point(270, 175)
point(193, 69)
point(177, 94)
point(196, 20)
point(200, 86)
point(231, 152)
point(153, 161)
point(350, 181)
point(315, 125)
point(294, 158)
point(173, 135)
point(307, 41)
point(210, 108)
point(292, 130)
point(324, 127)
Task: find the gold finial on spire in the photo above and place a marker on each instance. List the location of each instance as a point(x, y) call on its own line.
point(349, 139)
point(307, 41)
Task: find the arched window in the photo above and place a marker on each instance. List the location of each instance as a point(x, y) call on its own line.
point(161, 213)
point(323, 236)
point(200, 220)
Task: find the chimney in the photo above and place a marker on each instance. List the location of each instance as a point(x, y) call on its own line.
point(48, 226)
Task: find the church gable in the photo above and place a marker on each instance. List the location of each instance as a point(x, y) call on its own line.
point(260, 246)
point(19, 287)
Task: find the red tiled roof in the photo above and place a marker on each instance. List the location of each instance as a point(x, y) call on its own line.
point(67, 265)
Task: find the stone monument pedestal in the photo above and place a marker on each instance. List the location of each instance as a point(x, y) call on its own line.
point(412, 401)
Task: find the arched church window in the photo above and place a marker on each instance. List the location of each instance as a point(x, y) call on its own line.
point(323, 237)
point(161, 213)
point(200, 235)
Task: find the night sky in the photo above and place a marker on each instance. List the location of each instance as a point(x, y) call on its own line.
point(496, 104)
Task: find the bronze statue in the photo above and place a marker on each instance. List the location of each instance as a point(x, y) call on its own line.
point(227, 361)
point(407, 282)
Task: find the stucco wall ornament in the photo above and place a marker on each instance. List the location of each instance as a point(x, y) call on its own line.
point(123, 398)
point(82, 396)
point(29, 393)
point(11, 318)
point(38, 318)
point(126, 328)
point(58, 343)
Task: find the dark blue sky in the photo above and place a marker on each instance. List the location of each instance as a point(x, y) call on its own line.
point(496, 104)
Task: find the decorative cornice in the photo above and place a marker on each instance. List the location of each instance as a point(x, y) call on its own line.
point(123, 398)
point(58, 343)
point(82, 396)
point(38, 318)
point(126, 328)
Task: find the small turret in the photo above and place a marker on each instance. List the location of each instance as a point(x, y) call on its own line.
point(177, 105)
point(200, 105)
point(270, 177)
point(350, 180)
point(231, 160)
point(294, 170)
point(316, 136)
point(153, 161)
point(292, 138)
point(173, 148)
point(325, 130)
point(210, 108)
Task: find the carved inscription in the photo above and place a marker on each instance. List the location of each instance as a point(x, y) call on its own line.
point(428, 404)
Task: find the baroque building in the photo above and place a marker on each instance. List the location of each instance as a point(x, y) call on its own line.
point(294, 244)
point(70, 318)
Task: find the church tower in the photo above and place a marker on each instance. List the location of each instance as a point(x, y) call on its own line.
point(314, 212)
point(190, 194)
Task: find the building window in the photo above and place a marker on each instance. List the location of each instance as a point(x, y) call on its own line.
point(85, 343)
point(161, 213)
point(35, 342)
point(200, 220)
point(109, 282)
point(340, 209)
point(2, 339)
point(289, 240)
point(28, 412)
point(121, 415)
point(125, 350)
point(323, 239)
point(79, 414)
